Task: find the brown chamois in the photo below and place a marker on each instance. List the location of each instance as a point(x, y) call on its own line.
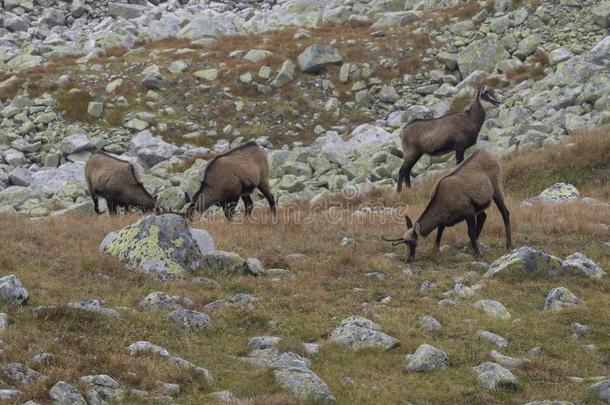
point(438, 136)
point(118, 182)
point(462, 195)
point(232, 175)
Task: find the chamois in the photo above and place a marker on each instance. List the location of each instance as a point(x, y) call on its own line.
point(462, 195)
point(438, 136)
point(118, 182)
point(232, 175)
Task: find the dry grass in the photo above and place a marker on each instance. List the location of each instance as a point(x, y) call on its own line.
point(58, 261)
point(530, 70)
point(73, 105)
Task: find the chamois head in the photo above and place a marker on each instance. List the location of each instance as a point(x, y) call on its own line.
point(487, 98)
point(409, 238)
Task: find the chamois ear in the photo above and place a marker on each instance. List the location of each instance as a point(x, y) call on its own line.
point(408, 222)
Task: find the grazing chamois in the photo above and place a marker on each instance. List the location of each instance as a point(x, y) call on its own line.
point(118, 182)
point(232, 175)
point(462, 195)
point(438, 136)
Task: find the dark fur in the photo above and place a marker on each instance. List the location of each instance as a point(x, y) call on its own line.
point(462, 195)
point(116, 181)
point(231, 176)
point(438, 136)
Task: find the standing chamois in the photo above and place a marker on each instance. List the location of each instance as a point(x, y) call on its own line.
point(438, 136)
point(118, 182)
point(232, 175)
point(462, 195)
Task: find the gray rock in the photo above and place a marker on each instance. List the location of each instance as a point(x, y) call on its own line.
point(95, 109)
point(222, 396)
point(304, 384)
point(6, 395)
point(481, 55)
point(21, 375)
point(559, 193)
point(257, 55)
point(126, 11)
point(580, 264)
point(559, 55)
point(601, 390)
point(507, 361)
point(285, 74)
point(359, 333)
point(63, 393)
point(103, 389)
point(20, 177)
point(493, 309)
point(161, 246)
point(75, 143)
point(207, 74)
point(525, 260)
point(427, 358)
point(388, 94)
point(12, 292)
point(190, 319)
point(94, 306)
point(528, 46)
point(315, 57)
point(14, 157)
point(224, 263)
point(559, 298)
point(493, 338)
point(255, 266)
point(493, 375)
point(429, 323)
point(203, 239)
point(3, 321)
point(158, 300)
point(601, 15)
point(152, 149)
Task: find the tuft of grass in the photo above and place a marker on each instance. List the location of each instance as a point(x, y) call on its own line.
point(291, 344)
point(72, 105)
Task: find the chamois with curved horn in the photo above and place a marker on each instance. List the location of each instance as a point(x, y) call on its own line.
point(232, 175)
point(118, 182)
point(462, 195)
point(438, 136)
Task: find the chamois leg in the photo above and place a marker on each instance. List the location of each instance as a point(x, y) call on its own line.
point(472, 234)
point(112, 205)
point(437, 242)
point(96, 205)
point(248, 204)
point(266, 190)
point(499, 200)
point(459, 156)
point(411, 157)
point(481, 217)
point(229, 208)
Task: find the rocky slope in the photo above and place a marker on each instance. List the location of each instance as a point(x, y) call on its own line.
point(167, 104)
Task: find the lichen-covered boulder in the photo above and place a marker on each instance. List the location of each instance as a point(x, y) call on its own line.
point(304, 384)
point(63, 393)
point(493, 309)
point(580, 264)
point(224, 263)
point(315, 57)
point(162, 246)
point(359, 333)
point(559, 298)
point(559, 193)
point(525, 260)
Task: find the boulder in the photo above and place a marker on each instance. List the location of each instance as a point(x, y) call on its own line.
point(21, 375)
point(427, 358)
point(152, 149)
point(304, 384)
point(103, 389)
point(601, 15)
point(526, 260)
point(580, 264)
point(315, 57)
point(493, 375)
point(559, 193)
point(493, 309)
point(63, 393)
point(527, 46)
point(190, 319)
point(224, 263)
point(126, 11)
point(285, 74)
point(601, 390)
point(359, 333)
point(482, 55)
point(12, 292)
point(559, 298)
point(75, 143)
point(161, 246)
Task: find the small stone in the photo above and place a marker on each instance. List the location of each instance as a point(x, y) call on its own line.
point(207, 74)
point(580, 264)
point(95, 109)
point(493, 338)
point(507, 361)
point(559, 298)
point(12, 292)
point(21, 375)
point(493, 375)
point(427, 358)
point(315, 57)
point(429, 323)
point(255, 266)
point(190, 319)
point(63, 393)
point(359, 333)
